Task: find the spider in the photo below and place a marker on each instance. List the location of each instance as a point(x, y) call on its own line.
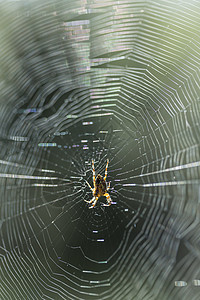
point(100, 187)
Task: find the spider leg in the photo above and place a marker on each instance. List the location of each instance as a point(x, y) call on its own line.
point(94, 203)
point(93, 199)
point(106, 170)
point(89, 186)
point(108, 199)
point(108, 186)
point(93, 172)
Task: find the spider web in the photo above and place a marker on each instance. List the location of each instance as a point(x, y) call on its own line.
point(83, 80)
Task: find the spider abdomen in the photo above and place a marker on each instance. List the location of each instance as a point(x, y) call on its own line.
point(100, 186)
point(100, 190)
